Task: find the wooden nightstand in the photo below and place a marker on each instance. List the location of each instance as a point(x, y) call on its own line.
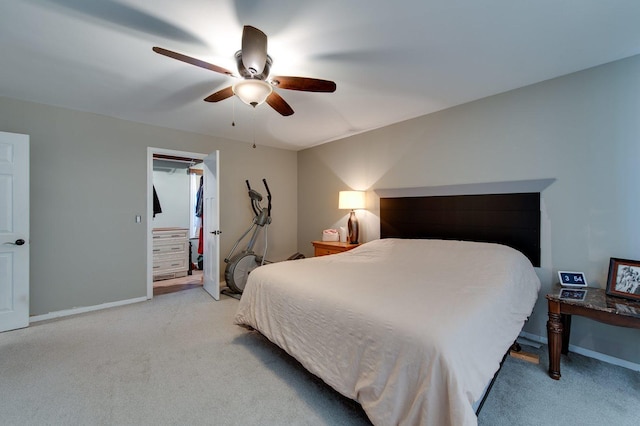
point(323, 248)
point(597, 306)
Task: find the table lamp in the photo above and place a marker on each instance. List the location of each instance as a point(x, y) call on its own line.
point(351, 200)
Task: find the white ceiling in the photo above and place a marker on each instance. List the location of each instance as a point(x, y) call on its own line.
point(391, 60)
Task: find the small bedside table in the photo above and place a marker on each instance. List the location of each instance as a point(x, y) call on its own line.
point(323, 248)
point(597, 306)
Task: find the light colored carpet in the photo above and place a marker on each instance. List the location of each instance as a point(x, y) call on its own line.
point(589, 393)
point(178, 359)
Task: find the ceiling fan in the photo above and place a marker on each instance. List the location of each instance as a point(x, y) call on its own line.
point(254, 64)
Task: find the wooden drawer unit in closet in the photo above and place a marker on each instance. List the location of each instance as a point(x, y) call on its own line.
point(170, 253)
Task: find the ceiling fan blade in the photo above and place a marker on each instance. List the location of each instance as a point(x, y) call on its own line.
point(220, 95)
point(254, 49)
point(190, 60)
point(304, 84)
point(276, 102)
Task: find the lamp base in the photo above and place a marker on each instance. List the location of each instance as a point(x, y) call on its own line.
point(353, 228)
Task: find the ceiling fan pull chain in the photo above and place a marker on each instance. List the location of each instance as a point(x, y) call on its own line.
point(233, 119)
point(253, 124)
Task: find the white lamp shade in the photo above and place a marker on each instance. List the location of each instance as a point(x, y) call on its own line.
point(252, 92)
point(351, 200)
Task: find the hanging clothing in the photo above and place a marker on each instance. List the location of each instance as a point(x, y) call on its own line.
point(200, 214)
point(199, 203)
point(157, 208)
point(200, 243)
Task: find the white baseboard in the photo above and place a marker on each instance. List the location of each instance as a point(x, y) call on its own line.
point(83, 309)
point(587, 352)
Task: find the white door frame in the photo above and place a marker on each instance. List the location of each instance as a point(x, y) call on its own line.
point(150, 152)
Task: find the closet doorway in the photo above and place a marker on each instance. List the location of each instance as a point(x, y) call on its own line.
point(182, 221)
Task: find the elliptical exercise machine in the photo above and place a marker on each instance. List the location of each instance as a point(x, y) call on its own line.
point(240, 265)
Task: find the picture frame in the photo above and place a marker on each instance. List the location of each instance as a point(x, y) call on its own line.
point(577, 294)
point(624, 278)
point(572, 279)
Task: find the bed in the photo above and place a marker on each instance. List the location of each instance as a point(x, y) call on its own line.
point(413, 329)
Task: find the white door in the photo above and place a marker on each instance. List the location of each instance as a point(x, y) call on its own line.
point(14, 231)
point(211, 227)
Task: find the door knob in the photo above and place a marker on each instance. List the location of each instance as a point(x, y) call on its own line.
point(216, 232)
point(18, 242)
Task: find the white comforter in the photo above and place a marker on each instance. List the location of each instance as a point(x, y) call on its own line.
point(412, 329)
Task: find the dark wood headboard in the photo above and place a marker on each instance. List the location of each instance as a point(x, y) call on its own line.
point(509, 219)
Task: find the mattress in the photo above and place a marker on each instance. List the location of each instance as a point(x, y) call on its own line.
point(413, 330)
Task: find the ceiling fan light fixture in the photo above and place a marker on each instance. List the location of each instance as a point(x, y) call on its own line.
point(252, 92)
point(254, 67)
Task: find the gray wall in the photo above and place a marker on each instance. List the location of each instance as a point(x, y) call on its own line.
point(88, 181)
point(582, 129)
